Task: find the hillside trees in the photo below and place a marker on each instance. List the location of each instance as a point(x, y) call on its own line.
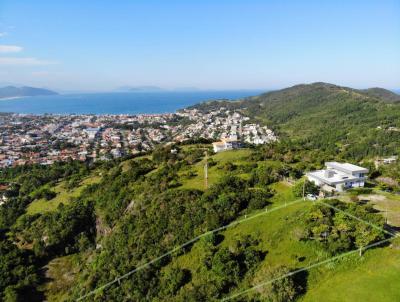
point(337, 232)
point(283, 289)
point(18, 274)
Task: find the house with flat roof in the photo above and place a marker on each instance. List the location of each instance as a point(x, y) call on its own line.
point(338, 176)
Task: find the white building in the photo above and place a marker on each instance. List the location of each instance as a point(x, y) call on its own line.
point(338, 176)
point(226, 144)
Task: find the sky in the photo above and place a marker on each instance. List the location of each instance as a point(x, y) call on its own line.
point(99, 45)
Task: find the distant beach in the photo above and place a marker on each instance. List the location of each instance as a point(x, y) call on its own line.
point(11, 98)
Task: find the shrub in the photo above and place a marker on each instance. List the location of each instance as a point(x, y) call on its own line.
point(281, 290)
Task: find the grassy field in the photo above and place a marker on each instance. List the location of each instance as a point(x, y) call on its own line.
point(374, 277)
point(387, 203)
point(215, 172)
point(63, 196)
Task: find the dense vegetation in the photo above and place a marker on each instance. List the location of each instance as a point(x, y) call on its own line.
point(131, 211)
point(337, 120)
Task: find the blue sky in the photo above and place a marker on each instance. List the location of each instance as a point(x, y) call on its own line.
point(208, 44)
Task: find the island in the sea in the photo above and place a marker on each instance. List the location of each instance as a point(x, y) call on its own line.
point(9, 92)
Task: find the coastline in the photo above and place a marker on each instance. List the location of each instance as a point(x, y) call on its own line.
point(11, 98)
point(117, 103)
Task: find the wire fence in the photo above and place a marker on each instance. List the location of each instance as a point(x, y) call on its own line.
point(266, 211)
point(187, 243)
point(392, 234)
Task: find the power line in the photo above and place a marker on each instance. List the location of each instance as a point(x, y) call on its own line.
point(118, 279)
point(359, 219)
point(302, 270)
point(394, 235)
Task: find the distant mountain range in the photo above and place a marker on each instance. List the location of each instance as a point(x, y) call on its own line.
point(15, 92)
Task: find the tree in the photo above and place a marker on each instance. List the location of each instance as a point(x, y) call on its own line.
point(306, 185)
point(225, 267)
point(172, 279)
point(275, 284)
point(365, 235)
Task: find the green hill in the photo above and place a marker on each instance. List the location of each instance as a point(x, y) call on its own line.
point(68, 229)
point(384, 94)
point(338, 120)
point(122, 214)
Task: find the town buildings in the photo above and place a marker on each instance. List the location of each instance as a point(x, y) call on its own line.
point(45, 139)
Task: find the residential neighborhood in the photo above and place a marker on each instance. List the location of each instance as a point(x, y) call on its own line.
point(44, 139)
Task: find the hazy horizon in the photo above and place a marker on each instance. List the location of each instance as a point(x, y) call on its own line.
point(224, 45)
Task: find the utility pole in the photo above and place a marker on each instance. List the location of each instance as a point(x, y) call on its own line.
point(206, 171)
point(240, 131)
point(386, 212)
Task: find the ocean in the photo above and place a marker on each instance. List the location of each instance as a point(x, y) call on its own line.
point(117, 102)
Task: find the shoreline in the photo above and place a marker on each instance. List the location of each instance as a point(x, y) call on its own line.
point(11, 98)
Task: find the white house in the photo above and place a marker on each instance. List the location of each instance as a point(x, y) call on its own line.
point(338, 176)
point(226, 144)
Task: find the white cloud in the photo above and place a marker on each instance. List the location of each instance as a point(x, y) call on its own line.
point(10, 48)
point(24, 61)
point(3, 34)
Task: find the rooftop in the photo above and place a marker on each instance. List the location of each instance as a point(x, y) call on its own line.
point(346, 167)
point(335, 178)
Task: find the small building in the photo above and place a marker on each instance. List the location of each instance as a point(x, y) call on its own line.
point(92, 132)
point(226, 144)
point(338, 176)
point(386, 161)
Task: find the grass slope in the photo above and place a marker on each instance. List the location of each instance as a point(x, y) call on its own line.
point(375, 277)
point(63, 196)
point(215, 172)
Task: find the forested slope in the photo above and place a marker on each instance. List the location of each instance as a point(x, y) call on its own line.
point(333, 119)
point(143, 207)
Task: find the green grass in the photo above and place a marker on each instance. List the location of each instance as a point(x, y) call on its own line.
point(61, 275)
point(214, 172)
point(63, 196)
point(125, 165)
point(283, 193)
point(374, 277)
point(275, 231)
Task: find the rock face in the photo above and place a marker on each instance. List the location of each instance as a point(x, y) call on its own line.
point(13, 92)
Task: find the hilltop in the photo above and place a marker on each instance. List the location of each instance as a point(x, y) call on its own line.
point(384, 94)
point(330, 118)
point(15, 92)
